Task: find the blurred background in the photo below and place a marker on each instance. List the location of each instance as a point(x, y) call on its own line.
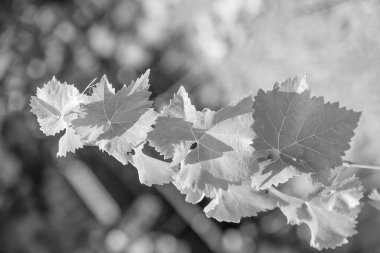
point(219, 50)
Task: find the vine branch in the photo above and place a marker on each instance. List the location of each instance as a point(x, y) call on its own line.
point(350, 164)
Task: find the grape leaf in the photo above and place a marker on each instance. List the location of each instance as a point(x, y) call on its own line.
point(213, 148)
point(179, 110)
point(119, 147)
point(192, 196)
point(374, 197)
point(294, 129)
point(297, 85)
point(141, 84)
point(151, 171)
point(56, 105)
point(259, 179)
point(116, 122)
point(115, 113)
point(343, 195)
point(330, 215)
point(69, 142)
point(53, 102)
point(238, 201)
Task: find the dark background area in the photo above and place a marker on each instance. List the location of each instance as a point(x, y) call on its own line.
point(220, 51)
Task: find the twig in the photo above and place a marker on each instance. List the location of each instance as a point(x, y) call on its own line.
point(349, 164)
point(89, 85)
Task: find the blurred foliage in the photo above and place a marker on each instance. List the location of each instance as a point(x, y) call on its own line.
point(219, 50)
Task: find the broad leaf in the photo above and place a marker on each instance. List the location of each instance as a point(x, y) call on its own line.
point(330, 215)
point(117, 122)
point(213, 148)
point(119, 147)
point(238, 201)
point(294, 129)
point(114, 113)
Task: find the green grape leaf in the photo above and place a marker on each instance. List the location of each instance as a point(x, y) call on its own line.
point(294, 129)
point(238, 201)
point(330, 214)
point(56, 105)
point(374, 197)
point(151, 171)
point(116, 122)
point(213, 148)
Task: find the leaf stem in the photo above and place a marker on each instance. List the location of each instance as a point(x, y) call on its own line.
point(349, 164)
point(89, 85)
point(274, 190)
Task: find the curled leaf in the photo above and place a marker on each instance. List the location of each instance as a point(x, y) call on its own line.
point(330, 215)
point(151, 171)
point(238, 201)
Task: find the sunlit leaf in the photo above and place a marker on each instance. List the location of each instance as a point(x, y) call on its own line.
point(330, 215)
point(238, 201)
point(151, 171)
point(213, 148)
point(56, 105)
point(294, 129)
point(116, 122)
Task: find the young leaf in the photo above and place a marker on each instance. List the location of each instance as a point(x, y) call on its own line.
point(297, 85)
point(330, 215)
point(56, 105)
point(116, 122)
point(238, 201)
point(214, 148)
point(294, 129)
point(53, 102)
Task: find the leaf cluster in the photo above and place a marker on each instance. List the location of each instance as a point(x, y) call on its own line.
point(239, 157)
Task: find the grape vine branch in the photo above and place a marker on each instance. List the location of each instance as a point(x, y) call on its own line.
point(350, 164)
point(240, 157)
